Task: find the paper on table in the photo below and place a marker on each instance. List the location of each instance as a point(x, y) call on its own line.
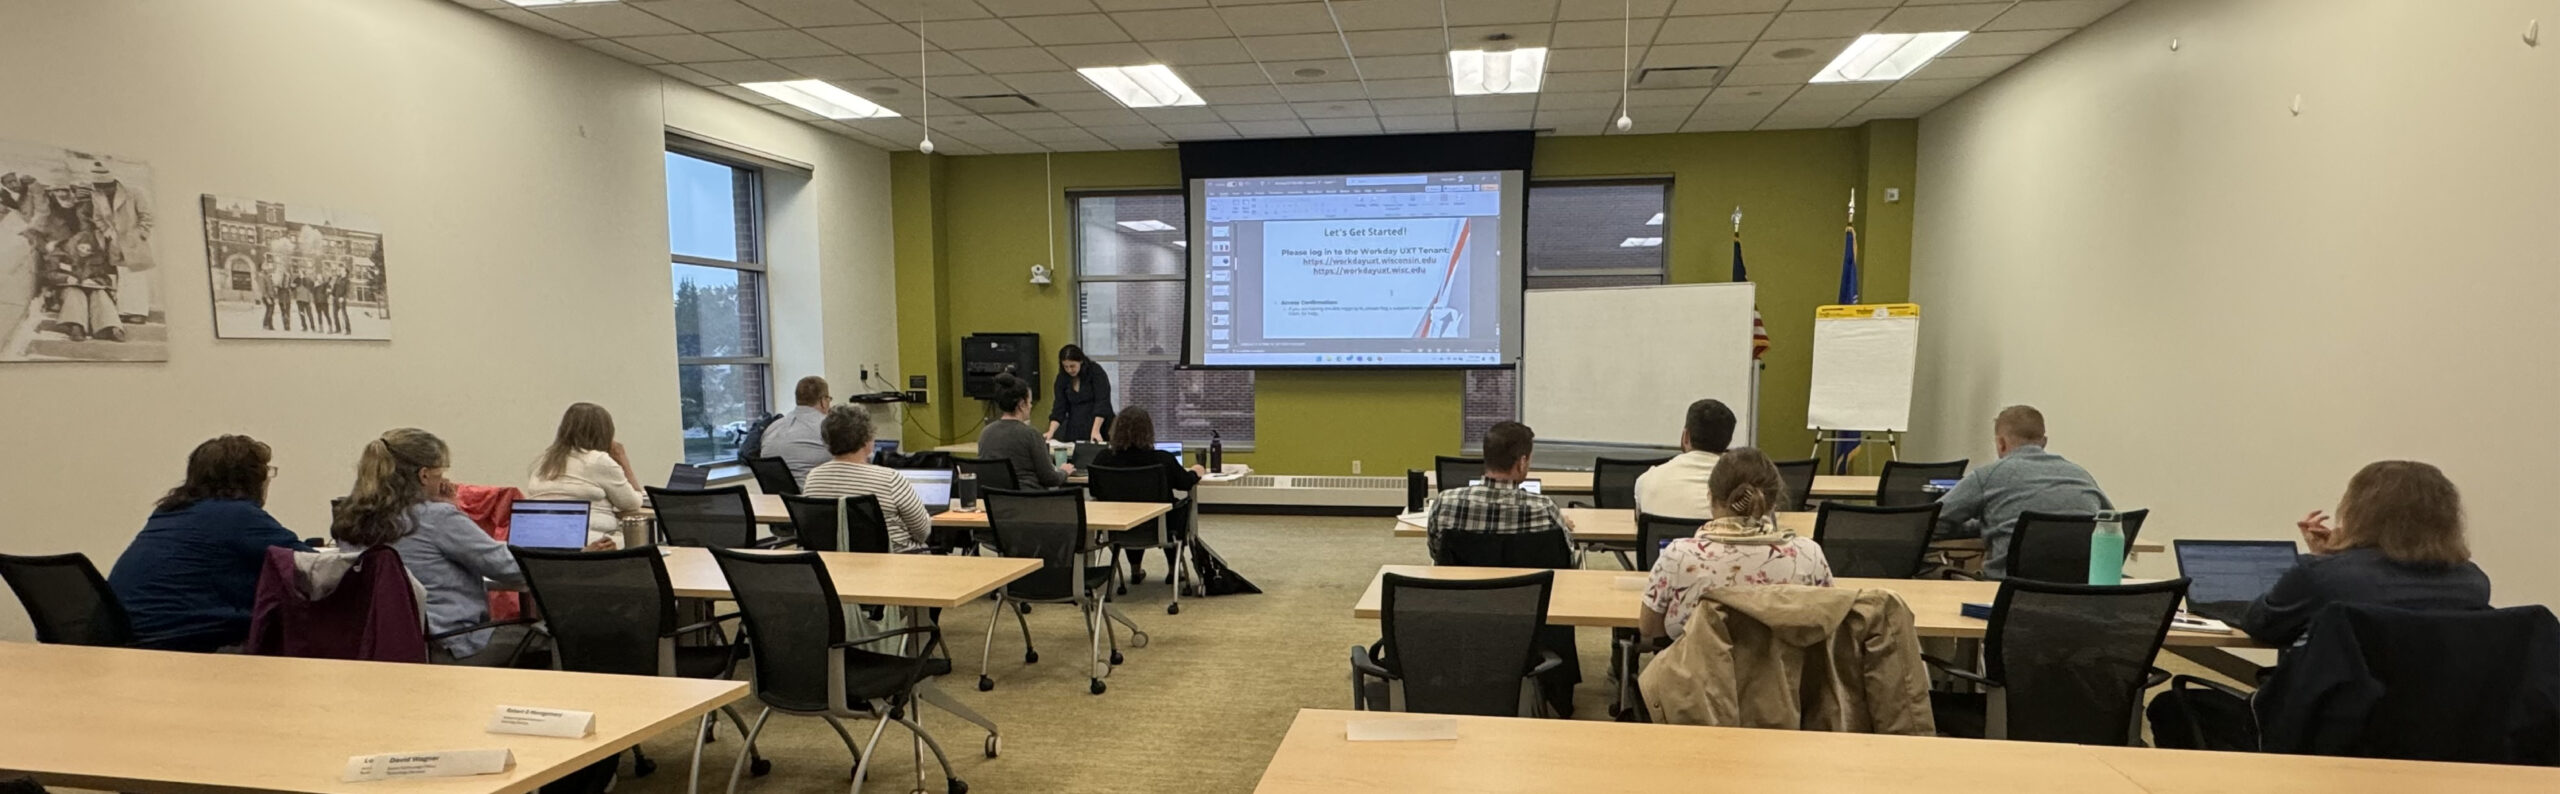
point(1419, 518)
point(1425, 729)
point(431, 763)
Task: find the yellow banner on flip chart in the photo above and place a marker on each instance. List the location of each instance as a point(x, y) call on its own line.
point(1876, 311)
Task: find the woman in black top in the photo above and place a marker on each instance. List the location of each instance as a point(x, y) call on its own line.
point(2398, 543)
point(1133, 445)
point(1081, 410)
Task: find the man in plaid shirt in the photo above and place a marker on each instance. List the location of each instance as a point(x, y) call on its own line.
point(1498, 506)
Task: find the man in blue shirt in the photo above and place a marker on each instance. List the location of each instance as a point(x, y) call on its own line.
point(2026, 477)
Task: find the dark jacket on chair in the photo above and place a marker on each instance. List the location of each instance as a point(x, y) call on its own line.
point(370, 612)
point(2479, 686)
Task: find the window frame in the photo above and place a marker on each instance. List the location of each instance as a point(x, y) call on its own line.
point(754, 217)
point(1075, 245)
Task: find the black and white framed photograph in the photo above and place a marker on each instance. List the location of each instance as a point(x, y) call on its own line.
point(294, 271)
point(78, 278)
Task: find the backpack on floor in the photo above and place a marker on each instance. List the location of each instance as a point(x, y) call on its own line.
point(1215, 577)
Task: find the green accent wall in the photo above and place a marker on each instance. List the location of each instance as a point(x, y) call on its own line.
point(969, 228)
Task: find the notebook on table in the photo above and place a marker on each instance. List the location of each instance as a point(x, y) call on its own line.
point(2225, 576)
point(547, 524)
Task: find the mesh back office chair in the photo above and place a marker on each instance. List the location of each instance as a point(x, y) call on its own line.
point(1613, 481)
point(2054, 547)
point(1449, 472)
point(774, 476)
point(806, 666)
point(719, 518)
point(991, 472)
point(1456, 646)
point(1652, 531)
point(814, 521)
point(1625, 655)
point(615, 612)
point(1798, 477)
point(2465, 685)
point(1048, 526)
point(66, 599)
point(1171, 533)
point(2063, 663)
point(1905, 484)
point(1875, 542)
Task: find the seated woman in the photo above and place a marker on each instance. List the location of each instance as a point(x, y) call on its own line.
point(401, 499)
point(1741, 546)
point(1133, 445)
point(189, 580)
point(847, 431)
point(1010, 437)
point(2398, 543)
point(585, 464)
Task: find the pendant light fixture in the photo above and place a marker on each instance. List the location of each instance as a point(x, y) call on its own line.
point(1626, 60)
point(924, 75)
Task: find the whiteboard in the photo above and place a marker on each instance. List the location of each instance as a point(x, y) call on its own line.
point(1621, 364)
point(1863, 360)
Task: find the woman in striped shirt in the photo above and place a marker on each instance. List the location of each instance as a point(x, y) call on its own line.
point(847, 431)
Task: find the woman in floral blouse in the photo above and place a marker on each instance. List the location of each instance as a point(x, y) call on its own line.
point(1743, 545)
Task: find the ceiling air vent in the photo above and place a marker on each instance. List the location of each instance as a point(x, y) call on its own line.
point(1678, 77)
point(991, 104)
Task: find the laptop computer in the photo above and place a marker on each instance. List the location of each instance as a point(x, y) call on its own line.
point(1174, 447)
point(883, 448)
point(2224, 576)
point(1085, 452)
point(933, 487)
point(547, 524)
point(688, 477)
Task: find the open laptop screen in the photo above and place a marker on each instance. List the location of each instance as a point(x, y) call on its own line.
point(933, 487)
point(687, 477)
point(2224, 576)
point(545, 524)
point(1174, 447)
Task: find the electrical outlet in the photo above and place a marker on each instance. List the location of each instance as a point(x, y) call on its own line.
point(1355, 467)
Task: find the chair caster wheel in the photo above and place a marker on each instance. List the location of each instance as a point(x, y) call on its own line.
point(1030, 657)
point(1115, 658)
point(1124, 590)
point(1138, 639)
point(993, 743)
point(1022, 607)
point(760, 767)
point(1173, 609)
point(985, 683)
point(957, 786)
point(644, 767)
point(1098, 687)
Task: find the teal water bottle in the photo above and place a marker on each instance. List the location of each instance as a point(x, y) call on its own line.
point(2106, 550)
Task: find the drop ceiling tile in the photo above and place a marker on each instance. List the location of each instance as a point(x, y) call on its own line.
point(484, 5)
point(1581, 81)
point(903, 64)
point(687, 74)
point(993, 137)
point(1769, 95)
point(1009, 60)
point(1436, 123)
point(1353, 126)
point(972, 34)
point(867, 39)
point(1224, 74)
point(817, 13)
point(1315, 71)
point(1277, 19)
point(1599, 33)
point(2041, 14)
point(1140, 133)
point(1577, 101)
point(1666, 98)
point(776, 43)
point(1232, 95)
point(1816, 112)
point(1500, 12)
point(1414, 107)
point(1295, 47)
point(1674, 55)
point(685, 48)
point(1709, 30)
point(1104, 118)
point(1824, 24)
point(1385, 14)
point(1699, 7)
point(1270, 129)
point(1404, 67)
point(1927, 89)
point(1333, 110)
point(1574, 122)
point(1113, 54)
point(1411, 88)
point(2006, 42)
point(746, 71)
point(1726, 124)
point(1192, 132)
point(1507, 103)
point(1497, 121)
point(1322, 92)
point(829, 67)
point(1087, 99)
point(796, 114)
point(1523, 34)
point(1255, 112)
point(1824, 5)
point(1369, 43)
point(1743, 111)
point(1142, 5)
point(1063, 135)
point(1957, 68)
point(960, 85)
point(1191, 115)
point(611, 19)
point(912, 10)
point(548, 27)
point(1026, 122)
point(901, 131)
point(618, 50)
point(1840, 91)
point(1591, 59)
point(1900, 108)
point(1781, 52)
point(1025, 8)
point(1046, 82)
point(1784, 74)
point(743, 95)
point(1926, 19)
point(1175, 23)
point(711, 16)
point(1070, 29)
point(1181, 52)
point(1609, 9)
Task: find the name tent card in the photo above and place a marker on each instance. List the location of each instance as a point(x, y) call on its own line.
point(529, 721)
point(431, 763)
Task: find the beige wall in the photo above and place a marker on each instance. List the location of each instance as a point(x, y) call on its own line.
point(518, 181)
point(2225, 308)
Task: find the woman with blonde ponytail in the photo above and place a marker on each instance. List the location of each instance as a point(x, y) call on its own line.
point(585, 464)
point(401, 499)
point(1742, 546)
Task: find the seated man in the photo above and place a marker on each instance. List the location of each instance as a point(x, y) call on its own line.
point(796, 437)
point(2026, 477)
point(1498, 505)
point(1678, 487)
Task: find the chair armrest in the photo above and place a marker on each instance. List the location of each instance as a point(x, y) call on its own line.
point(1547, 661)
point(2155, 678)
point(775, 542)
point(935, 630)
point(1362, 664)
point(480, 626)
point(1953, 669)
point(715, 621)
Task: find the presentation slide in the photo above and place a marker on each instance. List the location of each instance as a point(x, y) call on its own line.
point(1375, 270)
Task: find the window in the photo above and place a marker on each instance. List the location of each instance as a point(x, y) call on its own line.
point(1580, 234)
point(1131, 290)
point(723, 369)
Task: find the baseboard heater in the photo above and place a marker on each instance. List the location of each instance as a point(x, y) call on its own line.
point(1305, 495)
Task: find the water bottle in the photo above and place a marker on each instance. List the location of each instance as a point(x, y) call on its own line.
point(2106, 550)
point(965, 490)
point(1217, 453)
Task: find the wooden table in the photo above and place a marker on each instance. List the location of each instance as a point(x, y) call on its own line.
point(1825, 486)
point(1506, 754)
point(1619, 526)
point(1596, 599)
point(1098, 516)
point(900, 580)
point(154, 721)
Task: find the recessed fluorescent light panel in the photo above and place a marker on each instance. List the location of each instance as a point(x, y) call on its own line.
point(822, 98)
point(1656, 220)
point(1480, 72)
point(1149, 86)
point(534, 3)
point(1148, 225)
point(1879, 57)
point(1641, 242)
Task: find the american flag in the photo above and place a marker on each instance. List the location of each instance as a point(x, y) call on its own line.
point(1759, 330)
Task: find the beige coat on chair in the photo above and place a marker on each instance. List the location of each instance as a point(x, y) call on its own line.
point(1794, 658)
